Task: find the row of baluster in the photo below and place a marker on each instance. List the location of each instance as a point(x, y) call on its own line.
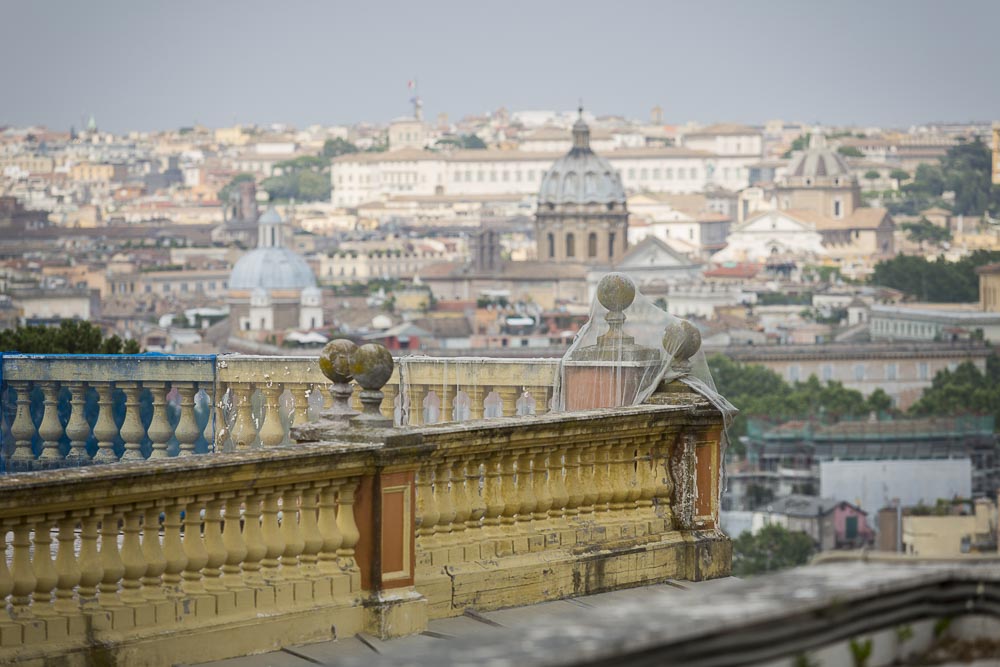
point(173, 549)
point(51, 430)
point(479, 496)
point(247, 415)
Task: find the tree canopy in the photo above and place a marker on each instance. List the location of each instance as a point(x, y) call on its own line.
point(468, 141)
point(926, 231)
point(759, 391)
point(936, 280)
point(70, 337)
point(772, 548)
point(850, 151)
point(305, 178)
point(965, 171)
point(229, 187)
point(334, 147)
point(965, 390)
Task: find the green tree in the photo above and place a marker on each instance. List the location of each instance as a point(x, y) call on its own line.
point(925, 230)
point(935, 280)
point(231, 186)
point(772, 548)
point(872, 175)
point(879, 402)
point(899, 174)
point(70, 337)
point(334, 147)
point(799, 144)
point(850, 151)
point(965, 390)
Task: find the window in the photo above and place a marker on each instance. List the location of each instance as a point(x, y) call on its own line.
point(670, 173)
point(149, 288)
point(611, 244)
point(826, 372)
point(836, 208)
point(570, 245)
point(631, 173)
point(890, 371)
point(793, 373)
point(479, 176)
point(592, 245)
point(552, 245)
point(517, 176)
point(850, 527)
point(656, 174)
point(493, 176)
point(506, 176)
point(859, 372)
point(923, 371)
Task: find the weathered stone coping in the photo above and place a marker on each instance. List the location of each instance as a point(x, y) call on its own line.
point(743, 622)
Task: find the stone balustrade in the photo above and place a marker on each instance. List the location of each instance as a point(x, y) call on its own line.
point(65, 411)
point(197, 558)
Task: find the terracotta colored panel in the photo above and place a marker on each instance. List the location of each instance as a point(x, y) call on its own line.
point(363, 550)
point(393, 524)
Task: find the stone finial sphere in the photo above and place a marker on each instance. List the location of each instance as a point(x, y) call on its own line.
point(371, 366)
point(616, 292)
point(681, 339)
point(335, 360)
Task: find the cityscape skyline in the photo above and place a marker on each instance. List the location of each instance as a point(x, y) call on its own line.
point(831, 64)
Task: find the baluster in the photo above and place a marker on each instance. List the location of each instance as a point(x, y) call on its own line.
point(345, 522)
point(213, 416)
point(50, 429)
point(68, 572)
point(91, 571)
point(159, 428)
point(493, 494)
point(21, 572)
point(557, 483)
point(621, 478)
point(77, 427)
point(132, 558)
point(646, 479)
point(291, 534)
point(6, 579)
point(215, 548)
point(328, 528)
point(187, 427)
point(173, 548)
point(254, 538)
point(541, 396)
point(194, 549)
point(476, 398)
point(300, 395)
point(427, 511)
point(602, 477)
point(508, 398)
point(272, 432)
point(508, 485)
point(222, 410)
point(152, 555)
point(462, 497)
point(105, 429)
point(111, 561)
point(526, 496)
point(476, 499)
point(272, 537)
point(574, 483)
point(46, 576)
point(132, 431)
point(589, 479)
point(390, 393)
point(633, 464)
point(22, 428)
point(541, 480)
point(444, 492)
point(232, 539)
point(417, 394)
point(244, 433)
point(312, 541)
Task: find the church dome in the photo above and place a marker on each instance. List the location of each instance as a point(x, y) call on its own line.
point(581, 176)
point(819, 161)
point(271, 268)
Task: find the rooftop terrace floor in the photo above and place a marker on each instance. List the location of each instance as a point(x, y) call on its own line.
point(472, 625)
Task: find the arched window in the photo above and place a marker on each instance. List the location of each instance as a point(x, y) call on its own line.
point(592, 245)
point(570, 245)
point(611, 245)
point(552, 245)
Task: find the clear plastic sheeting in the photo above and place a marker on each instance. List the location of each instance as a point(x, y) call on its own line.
point(627, 348)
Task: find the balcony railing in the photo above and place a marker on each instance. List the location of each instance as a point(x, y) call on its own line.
point(144, 560)
point(65, 411)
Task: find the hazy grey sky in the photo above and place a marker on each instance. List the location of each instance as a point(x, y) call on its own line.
point(162, 64)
